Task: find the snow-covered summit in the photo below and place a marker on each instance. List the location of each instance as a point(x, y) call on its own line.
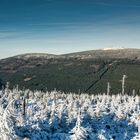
point(114, 48)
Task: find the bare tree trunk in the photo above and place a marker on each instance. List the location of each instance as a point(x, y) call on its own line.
point(24, 107)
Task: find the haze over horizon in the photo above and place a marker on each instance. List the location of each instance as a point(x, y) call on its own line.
point(64, 26)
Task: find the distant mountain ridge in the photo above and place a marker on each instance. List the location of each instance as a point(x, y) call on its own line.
point(108, 53)
point(74, 71)
point(101, 53)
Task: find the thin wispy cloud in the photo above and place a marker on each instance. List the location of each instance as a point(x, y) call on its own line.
point(116, 4)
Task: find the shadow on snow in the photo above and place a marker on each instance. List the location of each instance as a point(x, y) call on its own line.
point(107, 126)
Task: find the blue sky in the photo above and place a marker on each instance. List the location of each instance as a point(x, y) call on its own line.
point(64, 26)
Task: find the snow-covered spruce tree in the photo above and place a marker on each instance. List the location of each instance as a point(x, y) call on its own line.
point(9, 119)
point(138, 123)
point(78, 132)
point(101, 136)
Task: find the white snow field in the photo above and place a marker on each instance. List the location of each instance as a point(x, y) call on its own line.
point(57, 116)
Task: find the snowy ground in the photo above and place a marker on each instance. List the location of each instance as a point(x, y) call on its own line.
point(59, 116)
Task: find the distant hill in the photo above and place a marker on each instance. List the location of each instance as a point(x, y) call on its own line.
point(107, 53)
point(85, 71)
